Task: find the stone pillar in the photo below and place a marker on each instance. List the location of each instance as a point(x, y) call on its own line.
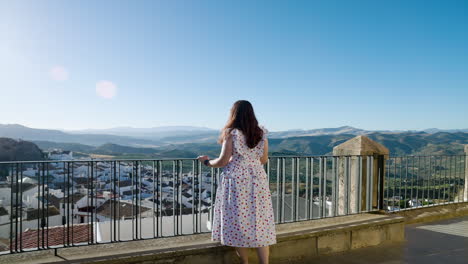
point(353, 158)
point(465, 193)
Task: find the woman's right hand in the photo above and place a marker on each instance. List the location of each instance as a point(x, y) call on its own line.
point(202, 158)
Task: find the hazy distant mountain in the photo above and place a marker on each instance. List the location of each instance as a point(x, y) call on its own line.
point(153, 133)
point(25, 133)
point(188, 140)
point(319, 132)
point(436, 130)
point(408, 143)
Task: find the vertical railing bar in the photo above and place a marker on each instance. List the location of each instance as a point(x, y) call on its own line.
point(268, 171)
point(73, 207)
point(307, 200)
point(47, 205)
point(291, 182)
point(42, 211)
point(412, 178)
point(359, 187)
point(452, 185)
point(293, 207)
point(19, 169)
point(118, 202)
point(177, 205)
point(311, 209)
point(93, 199)
point(418, 184)
point(68, 204)
point(193, 198)
point(154, 199)
point(298, 188)
point(439, 174)
point(160, 175)
point(348, 183)
point(139, 213)
point(431, 180)
point(455, 189)
point(449, 173)
point(368, 183)
point(335, 186)
point(394, 182)
point(454, 177)
point(13, 189)
point(114, 201)
point(211, 193)
point(401, 182)
point(134, 210)
point(278, 175)
point(428, 176)
point(406, 182)
point(181, 205)
point(94, 209)
point(283, 182)
point(462, 176)
point(44, 231)
point(66, 200)
point(371, 185)
point(88, 176)
point(111, 200)
point(18, 187)
point(389, 162)
point(320, 186)
point(200, 185)
point(324, 197)
point(455, 186)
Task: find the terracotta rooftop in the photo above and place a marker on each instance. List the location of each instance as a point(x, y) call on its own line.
point(55, 236)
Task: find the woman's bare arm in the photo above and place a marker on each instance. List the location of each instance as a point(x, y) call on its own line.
point(224, 156)
point(264, 158)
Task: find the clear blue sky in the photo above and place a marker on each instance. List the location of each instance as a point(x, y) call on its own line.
point(303, 64)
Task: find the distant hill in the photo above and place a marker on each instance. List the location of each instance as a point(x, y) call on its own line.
point(11, 150)
point(186, 141)
point(408, 143)
point(319, 132)
point(26, 133)
point(154, 133)
point(436, 130)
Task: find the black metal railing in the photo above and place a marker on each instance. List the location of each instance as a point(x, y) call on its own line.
point(52, 204)
point(419, 181)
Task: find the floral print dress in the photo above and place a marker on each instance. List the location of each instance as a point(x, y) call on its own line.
point(243, 209)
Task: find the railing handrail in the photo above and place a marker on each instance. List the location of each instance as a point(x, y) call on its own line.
point(179, 159)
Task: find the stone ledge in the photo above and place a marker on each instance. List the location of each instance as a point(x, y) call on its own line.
point(433, 212)
point(296, 242)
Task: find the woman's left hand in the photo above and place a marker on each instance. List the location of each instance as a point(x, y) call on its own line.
point(202, 158)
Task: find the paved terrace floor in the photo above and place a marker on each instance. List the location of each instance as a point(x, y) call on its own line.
point(436, 242)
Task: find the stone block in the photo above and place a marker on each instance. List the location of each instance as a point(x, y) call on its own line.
point(368, 237)
point(334, 242)
point(293, 250)
point(396, 232)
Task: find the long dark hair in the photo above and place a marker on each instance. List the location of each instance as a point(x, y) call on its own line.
point(242, 117)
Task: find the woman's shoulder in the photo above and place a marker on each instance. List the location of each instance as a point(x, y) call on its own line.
point(233, 131)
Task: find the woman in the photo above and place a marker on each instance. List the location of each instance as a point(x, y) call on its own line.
point(243, 212)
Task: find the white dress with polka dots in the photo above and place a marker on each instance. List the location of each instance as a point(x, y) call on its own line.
point(243, 210)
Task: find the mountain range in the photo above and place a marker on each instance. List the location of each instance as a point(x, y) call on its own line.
point(187, 141)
